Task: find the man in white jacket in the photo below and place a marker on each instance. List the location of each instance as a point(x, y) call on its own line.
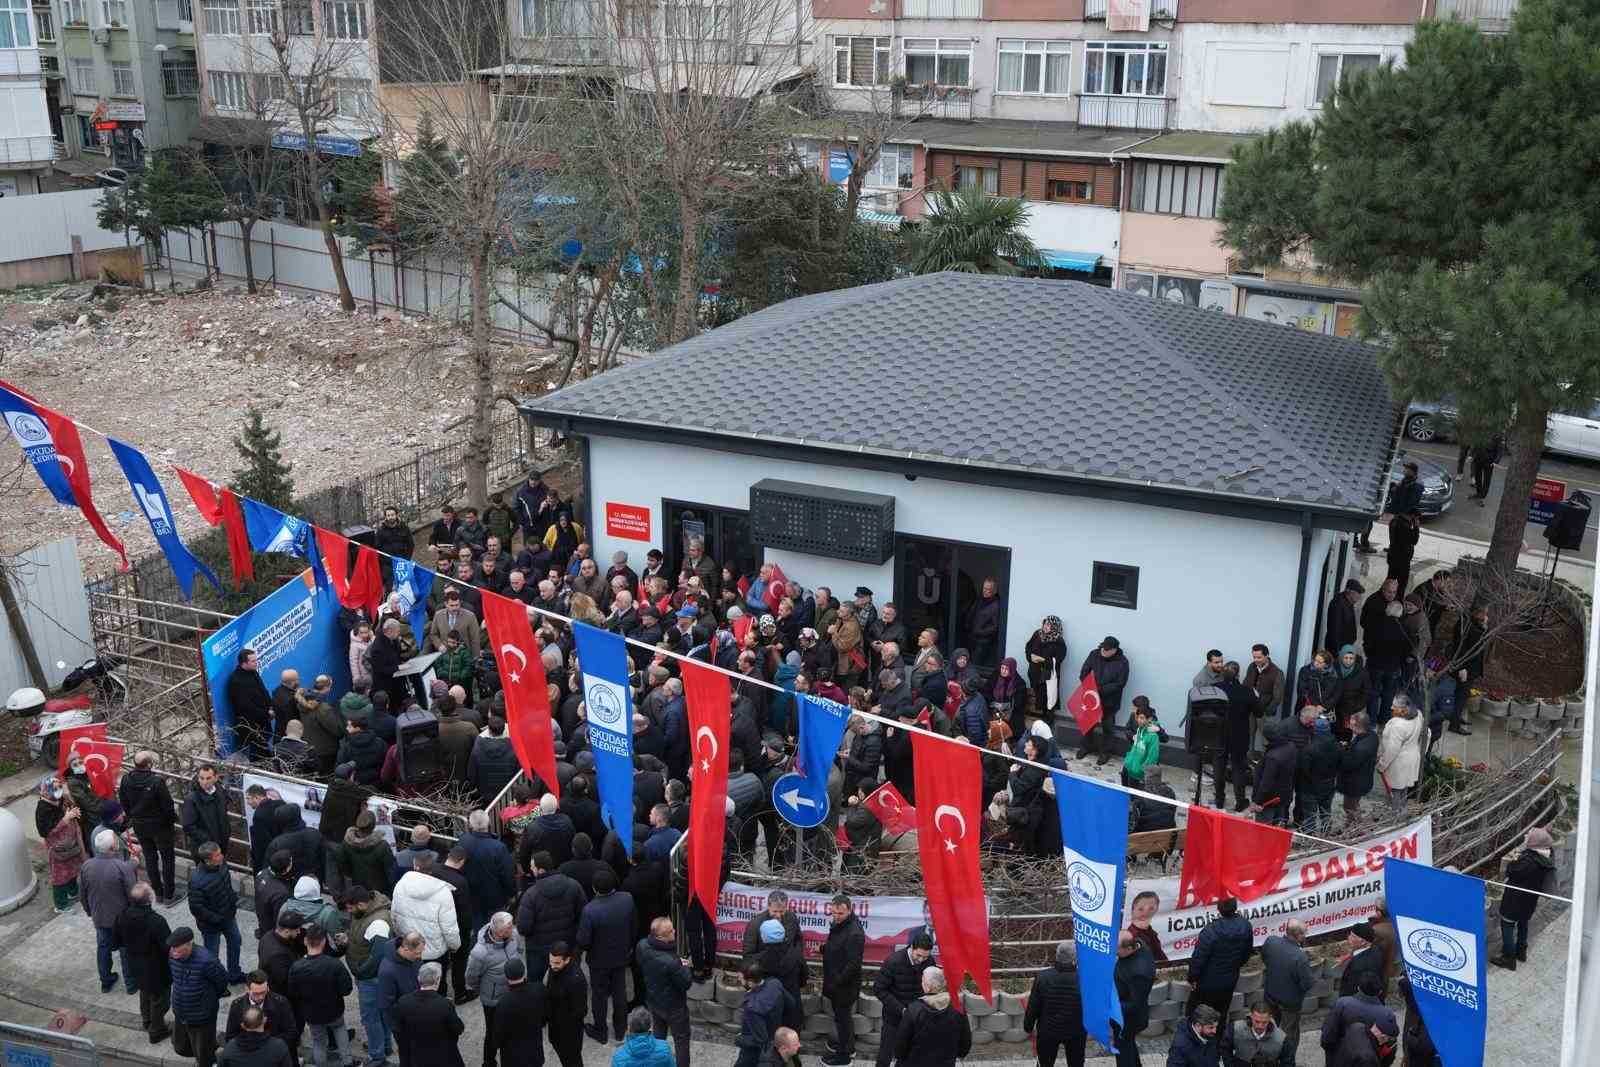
point(425, 905)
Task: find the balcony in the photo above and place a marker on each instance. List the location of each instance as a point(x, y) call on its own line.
point(1124, 112)
point(1491, 16)
point(933, 102)
point(1160, 10)
point(941, 9)
point(27, 151)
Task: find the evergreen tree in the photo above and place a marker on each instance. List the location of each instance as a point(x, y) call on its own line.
point(1457, 189)
point(264, 476)
point(967, 230)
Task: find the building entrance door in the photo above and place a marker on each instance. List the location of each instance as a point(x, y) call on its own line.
point(725, 532)
point(937, 585)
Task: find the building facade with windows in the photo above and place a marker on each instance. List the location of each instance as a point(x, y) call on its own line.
point(26, 145)
point(126, 77)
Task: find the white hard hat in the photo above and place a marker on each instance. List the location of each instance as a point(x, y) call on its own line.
point(26, 700)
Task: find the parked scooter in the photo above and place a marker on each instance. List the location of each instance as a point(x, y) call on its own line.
point(48, 716)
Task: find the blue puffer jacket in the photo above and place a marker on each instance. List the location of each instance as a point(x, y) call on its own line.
point(199, 983)
point(212, 899)
point(643, 1050)
point(975, 719)
point(1223, 948)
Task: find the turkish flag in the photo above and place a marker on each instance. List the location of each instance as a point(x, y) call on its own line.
point(891, 808)
point(947, 844)
point(1228, 856)
point(70, 736)
point(221, 507)
point(706, 693)
point(522, 679)
point(69, 453)
point(360, 588)
point(1084, 703)
point(102, 760)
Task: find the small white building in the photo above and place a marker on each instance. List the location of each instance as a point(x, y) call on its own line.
point(1174, 477)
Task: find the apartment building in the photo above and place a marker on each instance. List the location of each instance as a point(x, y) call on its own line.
point(26, 147)
point(122, 75)
point(1114, 119)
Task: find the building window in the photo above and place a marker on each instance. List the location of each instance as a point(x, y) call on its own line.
point(808, 155)
point(227, 90)
point(85, 79)
point(894, 168)
point(554, 18)
point(75, 12)
point(16, 18)
point(1035, 67)
point(1069, 192)
point(262, 16)
point(180, 78)
point(697, 22)
point(1116, 585)
point(297, 20)
point(1332, 68)
point(46, 23)
point(1125, 68)
point(941, 61)
point(350, 98)
point(862, 60)
point(222, 17)
point(114, 12)
point(122, 79)
point(1193, 190)
point(345, 20)
point(985, 178)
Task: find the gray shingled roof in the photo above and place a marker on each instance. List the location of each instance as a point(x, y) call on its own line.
point(1053, 379)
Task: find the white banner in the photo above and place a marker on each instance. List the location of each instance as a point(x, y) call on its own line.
point(1327, 891)
point(889, 921)
point(310, 800)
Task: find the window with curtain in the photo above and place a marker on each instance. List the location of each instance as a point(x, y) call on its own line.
point(227, 90)
point(114, 12)
point(894, 169)
point(1125, 68)
point(16, 22)
point(75, 12)
point(1034, 67)
point(942, 61)
point(862, 60)
point(46, 21)
point(1331, 68)
point(85, 79)
point(222, 17)
point(985, 178)
point(122, 79)
point(1190, 189)
point(345, 20)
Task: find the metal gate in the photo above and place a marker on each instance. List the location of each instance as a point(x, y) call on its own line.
point(27, 1046)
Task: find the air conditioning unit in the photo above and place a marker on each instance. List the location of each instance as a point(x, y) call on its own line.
point(100, 37)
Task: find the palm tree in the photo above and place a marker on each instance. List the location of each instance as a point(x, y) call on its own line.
point(979, 234)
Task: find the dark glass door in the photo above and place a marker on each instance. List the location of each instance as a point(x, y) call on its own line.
point(938, 584)
point(724, 531)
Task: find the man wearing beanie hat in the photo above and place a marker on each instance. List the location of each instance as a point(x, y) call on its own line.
point(198, 985)
point(1366, 1008)
point(1365, 1045)
point(1527, 874)
point(1365, 958)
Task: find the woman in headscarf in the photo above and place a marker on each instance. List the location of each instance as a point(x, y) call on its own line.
point(83, 797)
point(1354, 688)
point(1007, 696)
point(1046, 651)
point(63, 842)
point(961, 667)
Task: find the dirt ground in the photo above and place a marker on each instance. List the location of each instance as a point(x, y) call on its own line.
point(1544, 663)
point(175, 375)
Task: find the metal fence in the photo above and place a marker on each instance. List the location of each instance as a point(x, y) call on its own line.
point(28, 1046)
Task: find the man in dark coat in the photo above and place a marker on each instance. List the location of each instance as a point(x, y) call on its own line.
point(305, 845)
point(426, 1026)
point(154, 818)
point(1341, 628)
point(605, 937)
point(198, 985)
point(281, 1020)
point(1238, 728)
point(280, 950)
point(764, 1006)
point(1287, 981)
point(320, 983)
point(1532, 870)
point(1366, 1007)
point(489, 868)
point(1194, 1043)
point(493, 763)
point(666, 986)
point(841, 977)
point(205, 812)
point(143, 934)
point(1358, 763)
point(214, 903)
point(1220, 951)
point(1055, 1008)
point(1365, 958)
point(252, 707)
point(273, 886)
point(1134, 975)
point(550, 831)
point(1274, 790)
point(254, 1047)
point(260, 807)
point(284, 705)
point(899, 982)
point(548, 912)
point(567, 996)
point(933, 1033)
point(517, 1039)
point(1110, 669)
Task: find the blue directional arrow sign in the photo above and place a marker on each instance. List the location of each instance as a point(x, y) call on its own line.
point(800, 801)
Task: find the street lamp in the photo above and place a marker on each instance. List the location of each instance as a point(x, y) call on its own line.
point(161, 94)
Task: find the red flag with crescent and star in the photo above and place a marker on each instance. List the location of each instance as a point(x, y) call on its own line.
point(66, 739)
point(1084, 703)
point(522, 679)
point(102, 762)
point(1229, 856)
point(221, 507)
point(707, 696)
point(947, 844)
point(891, 808)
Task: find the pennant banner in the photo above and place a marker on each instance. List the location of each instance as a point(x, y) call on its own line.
point(948, 846)
point(273, 531)
point(897, 816)
point(1227, 856)
point(603, 659)
point(708, 697)
point(522, 679)
point(152, 500)
point(413, 584)
point(1094, 832)
point(1438, 920)
point(222, 508)
point(822, 725)
point(361, 587)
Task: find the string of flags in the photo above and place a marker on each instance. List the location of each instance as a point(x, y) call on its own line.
point(1438, 914)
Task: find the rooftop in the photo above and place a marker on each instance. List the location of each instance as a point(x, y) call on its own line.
point(1060, 384)
point(1192, 145)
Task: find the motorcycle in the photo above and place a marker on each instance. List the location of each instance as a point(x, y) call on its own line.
point(48, 716)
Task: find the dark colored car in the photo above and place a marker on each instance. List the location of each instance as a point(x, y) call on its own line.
point(1428, 420)
point(1438, 487)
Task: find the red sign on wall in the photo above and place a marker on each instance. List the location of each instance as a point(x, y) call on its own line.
point(1547, 494)
point(628, 521)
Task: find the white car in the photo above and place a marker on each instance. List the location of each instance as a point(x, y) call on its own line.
point(1575, 431)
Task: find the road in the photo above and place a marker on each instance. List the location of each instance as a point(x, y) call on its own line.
point(1466, 519)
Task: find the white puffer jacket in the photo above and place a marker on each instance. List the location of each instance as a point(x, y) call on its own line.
point(426, 905)
point(1399, 754)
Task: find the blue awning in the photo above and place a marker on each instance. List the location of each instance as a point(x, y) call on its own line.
point(1084, 261)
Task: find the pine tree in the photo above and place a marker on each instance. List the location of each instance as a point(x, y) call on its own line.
point(264, 476)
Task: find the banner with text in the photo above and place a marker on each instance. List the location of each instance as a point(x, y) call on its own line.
point(1327, 891)
point(310, 799)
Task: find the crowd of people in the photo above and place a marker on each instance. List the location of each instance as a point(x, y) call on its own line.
point(541, 912)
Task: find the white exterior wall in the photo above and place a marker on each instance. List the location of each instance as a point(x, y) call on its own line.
point(1075, 228)
point(1204, 580)
point(1249, 77)
point(253, 54)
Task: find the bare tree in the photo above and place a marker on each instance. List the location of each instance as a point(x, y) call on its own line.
point(865, 120)
point(252, 172)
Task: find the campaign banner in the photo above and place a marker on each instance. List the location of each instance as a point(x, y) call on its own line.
point(1327, 891)
point(1438, 921)
point(1094, 834)
point(889, 921)
point(296, 626)
point(310, 798)
point(608, 700)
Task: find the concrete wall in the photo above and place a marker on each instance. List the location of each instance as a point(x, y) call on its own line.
point(127, 264)
point(1075, 228)
point(39, 227)
point(48, 584)
point(1191, 595)
point(1154, 242)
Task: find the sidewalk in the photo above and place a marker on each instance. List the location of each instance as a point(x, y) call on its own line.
point(1446, 549)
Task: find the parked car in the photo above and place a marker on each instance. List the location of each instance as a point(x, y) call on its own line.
point(1573, 431)
point(1428, 420)
point(1438, 487)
